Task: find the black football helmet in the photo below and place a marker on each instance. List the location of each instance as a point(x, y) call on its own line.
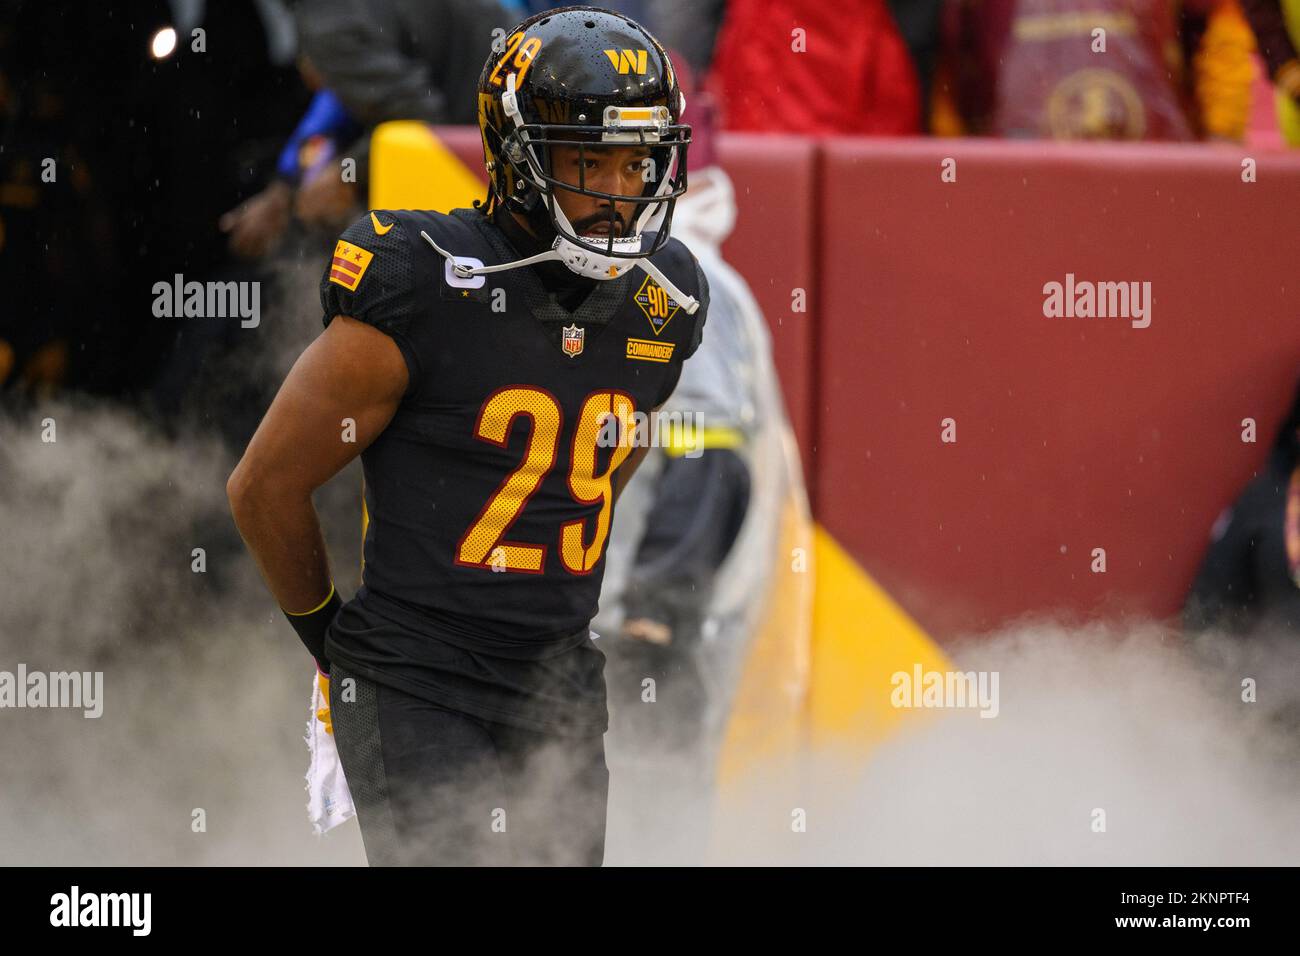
point(583, 77)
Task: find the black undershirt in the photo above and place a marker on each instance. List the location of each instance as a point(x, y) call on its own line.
point(568, 288)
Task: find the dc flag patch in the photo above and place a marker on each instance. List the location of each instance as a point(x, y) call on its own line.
point(349, 264)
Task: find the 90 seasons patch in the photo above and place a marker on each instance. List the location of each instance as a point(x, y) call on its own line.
point(659, 307)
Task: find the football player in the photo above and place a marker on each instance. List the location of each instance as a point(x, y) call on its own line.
point(479, 363)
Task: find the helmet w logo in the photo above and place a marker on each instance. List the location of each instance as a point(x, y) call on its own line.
point(625, 61)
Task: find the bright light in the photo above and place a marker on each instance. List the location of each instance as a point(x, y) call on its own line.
point(163, 43)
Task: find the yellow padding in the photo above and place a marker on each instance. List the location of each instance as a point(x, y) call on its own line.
point(860, 639)
point(768, 711)
point(410, 168)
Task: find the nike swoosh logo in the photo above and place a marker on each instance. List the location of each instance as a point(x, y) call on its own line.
point(379, 229)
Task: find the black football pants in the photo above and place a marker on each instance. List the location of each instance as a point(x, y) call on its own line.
point(435, 787)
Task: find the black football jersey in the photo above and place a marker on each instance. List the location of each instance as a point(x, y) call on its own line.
point(489, 494)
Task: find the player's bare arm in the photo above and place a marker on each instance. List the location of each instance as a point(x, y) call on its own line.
point(351, 371)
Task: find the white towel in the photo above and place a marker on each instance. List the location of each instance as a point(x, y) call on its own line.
point(329, 802)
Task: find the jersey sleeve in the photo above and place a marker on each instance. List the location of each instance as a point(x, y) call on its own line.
point(370, 278)
point(697, 334)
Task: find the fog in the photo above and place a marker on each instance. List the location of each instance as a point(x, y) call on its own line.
point(206, 701)
point(1120, 718)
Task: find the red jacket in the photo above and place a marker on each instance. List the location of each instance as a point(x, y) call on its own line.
point(854, 74)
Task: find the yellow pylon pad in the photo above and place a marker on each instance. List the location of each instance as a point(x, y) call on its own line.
point(410, 168)
point(861, 638)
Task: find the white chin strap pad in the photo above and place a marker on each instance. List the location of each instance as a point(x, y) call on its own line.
point(587, 260)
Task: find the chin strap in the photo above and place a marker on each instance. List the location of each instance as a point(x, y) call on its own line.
point(687, 302)
point(583, 262)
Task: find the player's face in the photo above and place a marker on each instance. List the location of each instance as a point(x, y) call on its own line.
point(620, 170)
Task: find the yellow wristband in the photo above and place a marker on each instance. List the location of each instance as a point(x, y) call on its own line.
point(316, 608)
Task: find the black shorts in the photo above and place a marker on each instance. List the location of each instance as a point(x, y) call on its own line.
point(435, 787)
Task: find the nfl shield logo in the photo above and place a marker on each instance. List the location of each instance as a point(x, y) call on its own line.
point(572, 341)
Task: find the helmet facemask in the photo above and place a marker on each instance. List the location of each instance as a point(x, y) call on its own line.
point(527, 148)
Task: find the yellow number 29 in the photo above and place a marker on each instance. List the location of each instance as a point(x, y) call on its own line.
point(482, 544)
